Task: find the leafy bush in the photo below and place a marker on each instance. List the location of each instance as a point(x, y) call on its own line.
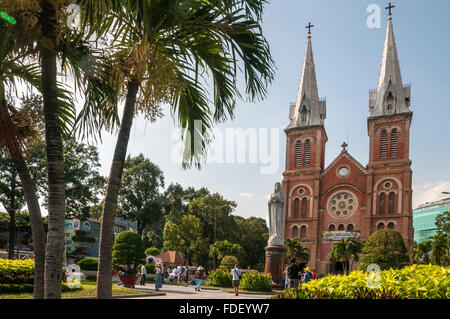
point(256, 281)
point(220, 278)
point(150, 268)
point(127, 253)
point(16, 271)
point(88, 264)
point(16, 288)
point(228, 263)
point(412, 282)
point(385, 248)
point(152, 251)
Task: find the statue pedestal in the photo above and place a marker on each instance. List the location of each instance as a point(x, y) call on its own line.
point(274, 262)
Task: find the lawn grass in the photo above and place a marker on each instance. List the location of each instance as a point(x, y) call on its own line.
point(89, 289)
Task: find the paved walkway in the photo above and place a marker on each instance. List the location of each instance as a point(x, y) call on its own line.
point(177, 292)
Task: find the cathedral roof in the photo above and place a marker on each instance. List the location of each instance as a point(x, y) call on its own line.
point(346, 154)
point(308, 109)
point(391, 96)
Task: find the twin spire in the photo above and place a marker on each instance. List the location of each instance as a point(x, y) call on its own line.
point(391, 97)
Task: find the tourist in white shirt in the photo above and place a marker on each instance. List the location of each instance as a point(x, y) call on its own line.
point(236, 272)
point(143, 275)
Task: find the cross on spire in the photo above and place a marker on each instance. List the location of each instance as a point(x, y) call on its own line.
point(390, 7)
point(309, 26)
point(344, 146)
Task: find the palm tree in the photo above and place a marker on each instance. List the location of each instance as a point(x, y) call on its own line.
point(165, 50)
point(295, 250)
point(420, 253)
point(14, 133)
point(346, 251)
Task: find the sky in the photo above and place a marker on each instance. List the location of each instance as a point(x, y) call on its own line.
point(347, 53)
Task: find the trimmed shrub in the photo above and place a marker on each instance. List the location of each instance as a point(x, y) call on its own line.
point(256, 281)
point(88, 264)
point(220, 278)
point(16, 271)
point(16, 288)
point(228, 263)
point(412, 282)
point(386, 249)
point(152, 251)
point(127, 253)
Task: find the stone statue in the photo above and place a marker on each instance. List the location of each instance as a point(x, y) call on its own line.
point(276, 217)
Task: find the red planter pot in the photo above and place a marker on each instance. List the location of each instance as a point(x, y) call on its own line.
point(129, 280)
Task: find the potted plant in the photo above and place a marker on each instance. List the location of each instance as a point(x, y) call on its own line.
point(127, 254)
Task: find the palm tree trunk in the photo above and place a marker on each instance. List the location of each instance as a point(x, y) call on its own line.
point(12, 233)
point(37, 227)
point(55, 162)
point(104, 277)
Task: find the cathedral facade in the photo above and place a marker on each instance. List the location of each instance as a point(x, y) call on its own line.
point(347, 199)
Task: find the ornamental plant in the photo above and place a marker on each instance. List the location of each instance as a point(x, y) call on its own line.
point(411, 282)
point(88, 264)
point(220, 278)
point(16, 271)
point(127, 253)
point(256, 281)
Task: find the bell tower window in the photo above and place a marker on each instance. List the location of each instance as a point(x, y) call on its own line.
point(298, 154)
point(303, 114)
point(382, 203)
point(394, 142)
point(383, 144)
point(304, 204)
point(307, 158)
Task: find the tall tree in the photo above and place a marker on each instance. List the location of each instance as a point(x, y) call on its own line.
point(140, 199)
point(169, 48)
point(346, 251)
point(295, 250)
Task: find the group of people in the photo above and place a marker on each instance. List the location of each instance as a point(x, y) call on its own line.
point(181, 276)
point(295, 276)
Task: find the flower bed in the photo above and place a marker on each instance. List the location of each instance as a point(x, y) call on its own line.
point(16, 272)
point(412, 282)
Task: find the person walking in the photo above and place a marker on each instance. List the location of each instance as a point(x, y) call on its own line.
point(186, 276)
point(180, 271)
point(199, 275)
point(292, 274)
point(143, 275)
point(236, 272)
point(158, 277)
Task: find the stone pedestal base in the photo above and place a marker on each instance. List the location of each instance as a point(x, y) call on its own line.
point(274, 262)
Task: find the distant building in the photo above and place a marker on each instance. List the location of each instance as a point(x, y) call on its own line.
point(172, 258)
point(82, 237)
point(424, 217)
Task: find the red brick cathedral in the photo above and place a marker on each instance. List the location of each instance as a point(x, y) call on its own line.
point(347, 199)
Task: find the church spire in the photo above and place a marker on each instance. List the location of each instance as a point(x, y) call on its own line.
point(391, 96)
point(308, 110)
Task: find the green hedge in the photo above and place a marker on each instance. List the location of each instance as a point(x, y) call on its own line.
point(150, 268)
point(88, 264)
point(256, 282)
point(16, 272)
point(16, 288)
point(220, 278)
point(412, 282)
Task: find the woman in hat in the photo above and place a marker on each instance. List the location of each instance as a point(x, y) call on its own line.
point(158, 277)
point(199, 275)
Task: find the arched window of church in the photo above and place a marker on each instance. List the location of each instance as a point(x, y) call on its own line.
point(382, 203)
point(307, 158)
point(390, 104)
point(296, 207)
point(391, 225)
point(331, 228)
point(391, 202)
point(304, 205)
point(341, 227)
point(295, 232)
point(350, 227)
point(298, 154)
point(394, 142)
point(380, 226)
point(303, 232)
point(383, 144)
point(303, 114)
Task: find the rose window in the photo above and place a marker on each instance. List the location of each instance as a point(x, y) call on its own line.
point(342, 205)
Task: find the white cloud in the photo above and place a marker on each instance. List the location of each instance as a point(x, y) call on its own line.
point(249, 195)
point(429, 192)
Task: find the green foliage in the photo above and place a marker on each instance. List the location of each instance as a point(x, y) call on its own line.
point(420, 253)
point(88, 264)
point(295, 250)
point(346, 251)
point(442, 223)
point(16, 271)
point(411, 282)
point(152, 251)
point(139, 197)
point(16, 288)
point(220, 278)
point(256, 282)
point(128, 252)
point(228, 262)
point(440, 248)
point(386, 249)
point(224, 248)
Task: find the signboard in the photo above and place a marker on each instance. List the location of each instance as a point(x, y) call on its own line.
point(86, 225)
point(338, 235)
point(76, 224)
point(158, 261)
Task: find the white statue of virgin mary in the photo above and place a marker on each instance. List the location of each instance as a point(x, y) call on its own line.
point(276, 217)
